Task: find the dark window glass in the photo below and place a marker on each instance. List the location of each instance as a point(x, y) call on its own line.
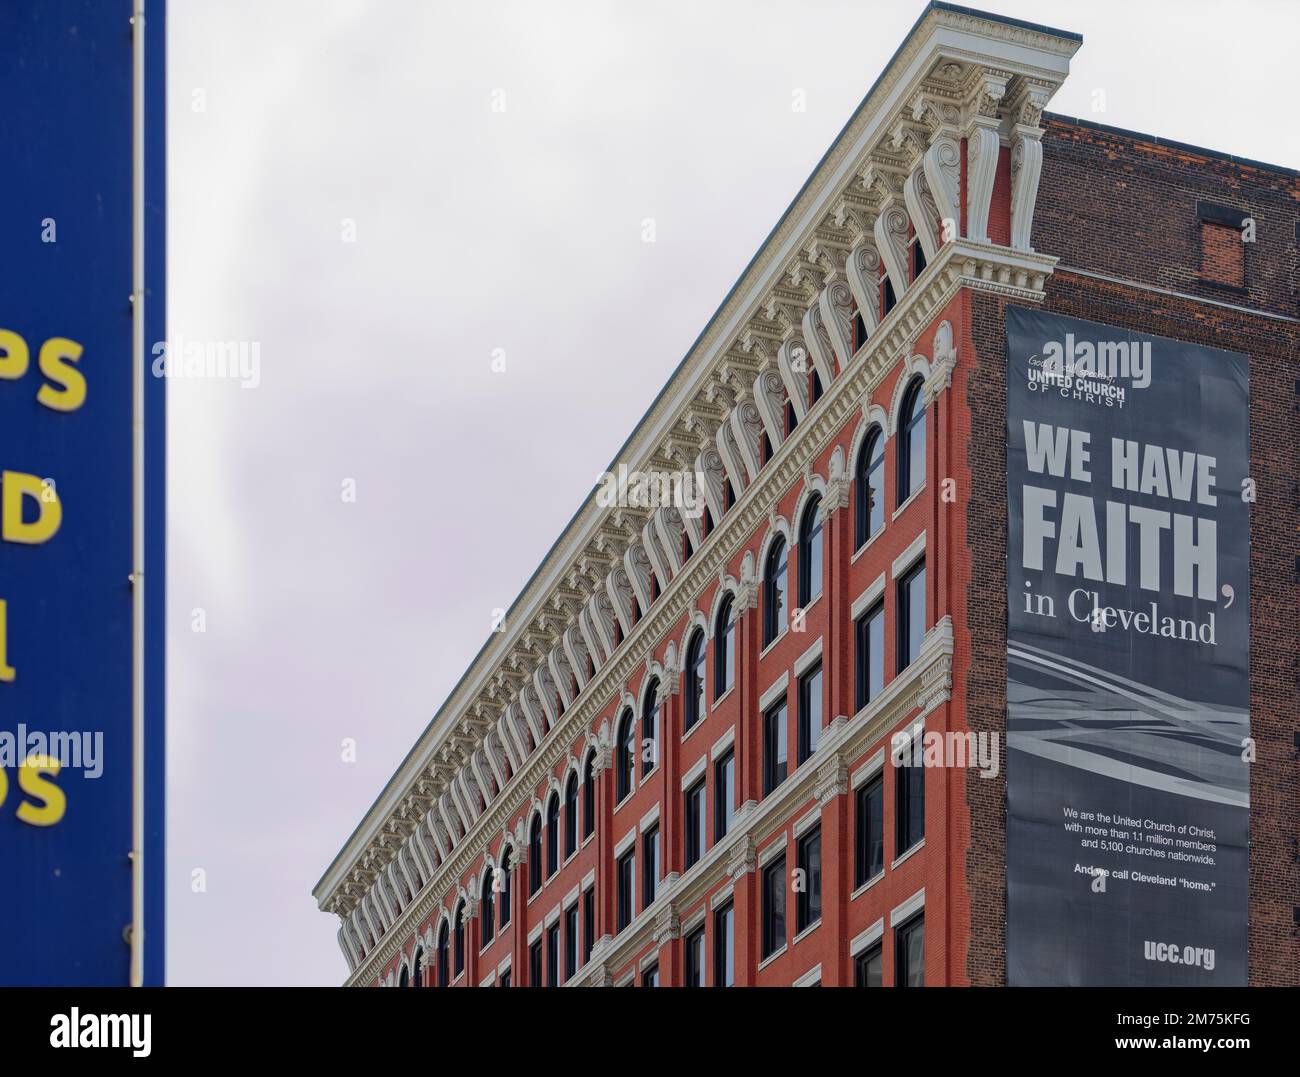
point(911, 615)
point(626, 871)
point(417, 976)
point(728, 495)
point(775, 592)
point(589, 797)
point(909, 954)
point(774, 746)
point(649, 866)
point(588, 923)
point(765, 449)
point(650, 728)
point(869, 512)
point(817, 390)
point(724, 793)
point(869, 655)
point(487, 907)
point(724, 649)
point(869, 831)
point(505, 979)
point(553, 956)
point(694, 681)
point(810, 712)
point(859, 330)
point(458, 941)
point(650, 977)
point(535, 855)
point(404, 980)
point(867, 968)
point(808, 900)
point(535, 964)
point(625, 755)
point(724, 946)
point(918, 258)
point(791, 420)
point(570, 941)
point(571, 815)
point(773, 918)
point(909, 806)
point(810, 553)
point(911, 442)
point(552, 835)
point(695, 958)
point(444, 973)
point(694, 825)
point(504, 884)
point(890, 299)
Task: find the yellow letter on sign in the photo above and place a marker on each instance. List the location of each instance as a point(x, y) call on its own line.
point(13, 363)
point(12, 527)
point(53, 803)
point(56, 359)
point(7, 672)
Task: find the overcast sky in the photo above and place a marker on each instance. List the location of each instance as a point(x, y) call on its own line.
point(472, 230)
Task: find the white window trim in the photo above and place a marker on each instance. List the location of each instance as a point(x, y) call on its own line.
point(695, 773)
point(724, 742)
point(626, 842)
point(649, 819)
point(905, 560)
point(778, 688)
point(504, 967)
point(909, 852)
point(588, 880)
point(571, 898)
point(808, 659)
point(869, 769)
point(726, 894)
point(650, 959)
point(552, 918)
point(807, 822)
point(534, 935)
point(775, 639)
point(868, 938)
point(907, 909)
point(773, 850)
point(910, 498)
point(489, 979)
point(810, 978)
point(868, 598)
point(695, 923)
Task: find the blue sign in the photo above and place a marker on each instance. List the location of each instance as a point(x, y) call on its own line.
point(81, 502)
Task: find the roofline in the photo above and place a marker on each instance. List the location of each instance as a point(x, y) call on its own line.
point(930, 8)
point(1156, 140)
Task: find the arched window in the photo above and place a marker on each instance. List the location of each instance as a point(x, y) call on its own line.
point(775, 591)
point(869, 511)
point(404, 980)
point(417, 967)
point(650, 727)
point(694, 681)
point(458, 940)
point(535, 855)
point(506, 889)
point(552, 835)
point(911, 441)
point(724, 649)
point(624, 755)
point(571, 815)
point(487, 908)
point(444, 972)
point(589, 796)
point(810, 552)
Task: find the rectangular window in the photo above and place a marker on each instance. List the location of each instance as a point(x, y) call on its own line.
point(867, 968)
point(724, 946)
point(724, 793)
point(773, 920)
point(588, 923)
point(649, 866)
point(553, 956)
point(808, 899)
point(909, 803)
point(774, 747)
point(626, 871)
point(869, 655)
point(869, 831)
point(909, 954)
point(535, 964)
point(695, 958)
point(650, 977)
point(504, 981)
point(694, 823)
point(810, 712)
point(911, 615)
point(570, 941)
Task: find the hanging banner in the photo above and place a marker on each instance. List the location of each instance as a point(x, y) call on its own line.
point(81, 492)
point(1128, 598)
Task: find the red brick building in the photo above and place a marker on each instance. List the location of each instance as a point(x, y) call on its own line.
point(673, 765)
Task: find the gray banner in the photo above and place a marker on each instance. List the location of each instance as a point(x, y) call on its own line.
point(1128, 600)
